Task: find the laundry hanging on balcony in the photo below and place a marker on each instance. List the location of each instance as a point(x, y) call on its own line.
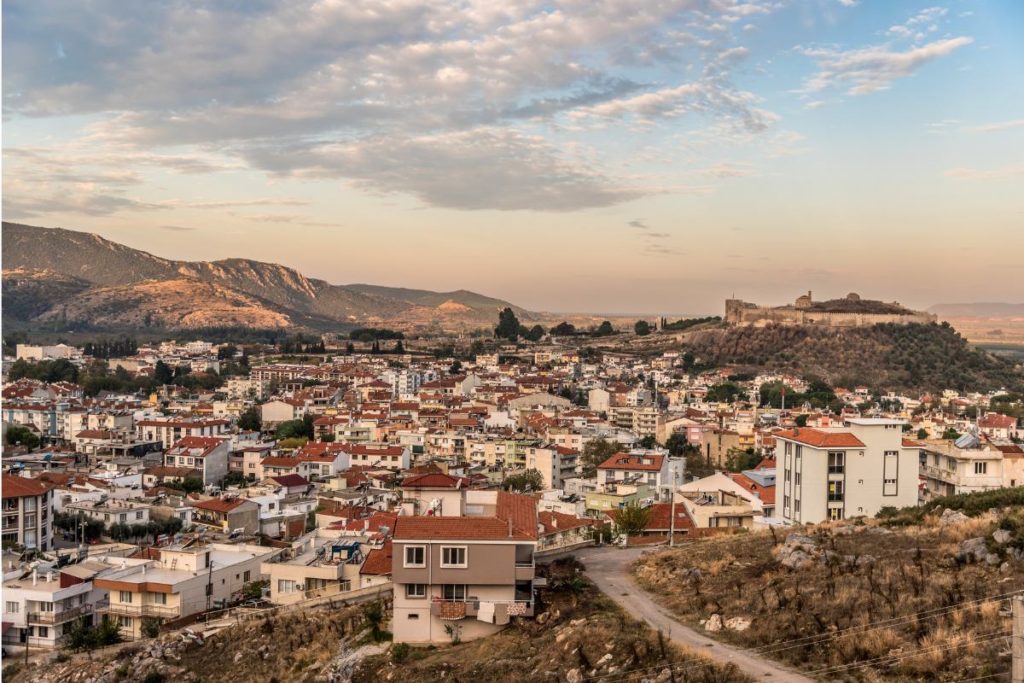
point(486, 612)
point(452, 611)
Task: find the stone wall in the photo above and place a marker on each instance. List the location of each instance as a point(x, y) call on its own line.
point(741, 313)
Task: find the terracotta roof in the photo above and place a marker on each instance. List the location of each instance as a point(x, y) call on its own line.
point(180, 423)
point(819, 439)
point(434, 480)
point(204, 444)
point(219, 504)
point(625, 461)
point(280, 461)
point(997, 421)
point(378, 561)
point(765, 493)
point(23, 487)
point(457, 528)
point(553, 522)
point(94, 434)
point(290, 480)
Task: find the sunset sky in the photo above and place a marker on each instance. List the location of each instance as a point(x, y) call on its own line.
point(577, 156)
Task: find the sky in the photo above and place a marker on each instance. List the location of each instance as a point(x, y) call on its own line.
point(583, 156)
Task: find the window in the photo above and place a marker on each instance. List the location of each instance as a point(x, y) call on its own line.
point(12, 607)
point(413, 616)
point(836, 462)
point(138, 515)
point(453, 591)
point(246, 575)
point(285, 586)
point(159, 598)
point(415, 590)
point(123, 517)
point(125, 596)
point(835, 513)
point(415, 556)
point(890, 473)
point(796, 479)
point(981, 468)
point(44, 631)
point(453, 556)
point(835, 491)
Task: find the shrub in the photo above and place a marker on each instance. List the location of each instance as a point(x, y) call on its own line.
point(400, 652)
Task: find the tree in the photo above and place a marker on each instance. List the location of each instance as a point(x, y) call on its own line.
point(677, 443)
point(399, 348)
point(23, 435)
point(192, 484)
point(604, 329)
point(455, 368)
point(563, 329)
point(535, 333)
point(162, 373)
point(530, 480)
point(374, 615)
point(508, 325)
point(801, 420)
point(648, 441)
point(594, 453)
point(922, 433)
point(150, 627)
point(642, 328)
point(233, 479)
point(292, 429)
point(250, 420)
point(632, 519)
point(726, 392)
point(951, 434)
point(227, 352)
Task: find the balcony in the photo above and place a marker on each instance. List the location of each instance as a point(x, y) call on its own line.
point(454, 610)
point(159, 611)
point(54, 617)
point(525, 571)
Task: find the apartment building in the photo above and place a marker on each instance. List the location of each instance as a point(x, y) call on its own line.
point(379, 455)
point(650, 469)
point(466, 576)
point(555, 463)
point(169, 430)
point(951, 468)
point(208, 455)
point(187, 579)
point(319, 563)
point(110, 511)
point(836, 473)
point(27, 513)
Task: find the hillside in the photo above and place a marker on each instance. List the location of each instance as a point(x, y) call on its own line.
point(84, 277)
point(924, 599)
point(888, 356)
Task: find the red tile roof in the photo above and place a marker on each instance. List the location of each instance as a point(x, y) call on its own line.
point(625, 461)
point(218, 504)
point(997, 421)
point(434, 480)
point(553, 522)
point(290, 480)
point(23, 487)
point(765, 493)
point(378, 561)
point(456, 528)
point(819, 439)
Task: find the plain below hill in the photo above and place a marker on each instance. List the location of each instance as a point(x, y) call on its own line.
point(63, 279)
point(978, 310)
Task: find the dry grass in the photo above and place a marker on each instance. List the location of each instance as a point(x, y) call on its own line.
point(838, 613)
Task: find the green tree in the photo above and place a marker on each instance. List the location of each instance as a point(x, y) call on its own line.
point(648, 441)
point(193, 483)
point(563, 329)
point(604, 329)
point(951, 434)
point(633, 519)
point(250, 420)
point(150, 627)
point(594, 453)
point(23, 435)
point(374, 615)
point(726, 392)
point(508, 325)
point(530, 480)
point(455, 368)
point(162, 373)
point(642, 328)
point(922, 433)
point(535, 333)
point(677, 443)
point(801, 420)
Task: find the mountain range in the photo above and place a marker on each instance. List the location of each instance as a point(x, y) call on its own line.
point(57, 279)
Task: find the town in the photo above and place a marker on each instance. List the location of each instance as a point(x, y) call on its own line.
point(318, 471)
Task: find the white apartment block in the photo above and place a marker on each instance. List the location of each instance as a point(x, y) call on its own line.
point(837, 473)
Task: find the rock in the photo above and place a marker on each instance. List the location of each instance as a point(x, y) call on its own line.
point(238, 657)
point(573, 676)
point(950, 517)
point(738, 623)
point(795, 559)
point(543, 617)
point(604, 660)
point(974, 550)
point(561, 636)
point(1001, 536)
point(713, 624)
point(577, 622)
point(1004, 568)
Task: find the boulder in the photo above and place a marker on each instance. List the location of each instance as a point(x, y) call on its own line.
point(738, 623)
point(714, 624)
point(573, 676)
point(950, 517)
point(1002, 536)
point(973, 550)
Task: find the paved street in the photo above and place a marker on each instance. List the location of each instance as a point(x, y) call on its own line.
point(608, 567)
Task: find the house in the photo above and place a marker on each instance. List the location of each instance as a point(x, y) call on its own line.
point(186, 579)
point(966, 466)
point(996, 426)
point(622, 467)
point(434, 493)
point(278, 410)
point(835, 473)
point(322, 459)
point(170, 430)
point(466, 576)
point(378, 455)
point(555, 464)
point(27, 513)
point(228, 514)
point(207, 454)
point(320, 563)
point(559, 532)
point(111, 511)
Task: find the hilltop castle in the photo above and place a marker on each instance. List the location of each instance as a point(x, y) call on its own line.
point(851, 311)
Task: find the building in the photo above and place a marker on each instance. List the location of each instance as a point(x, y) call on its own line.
point(228, 514)
point(650, 469)
point(836, 473)
point(208, 455)
point(27, 513)
point(321, 563)
point(966, 466)
point(171, 430)
point(111, 511)
point(187, 579)
point(555, 463)
point(850, 311)
point(464, 576)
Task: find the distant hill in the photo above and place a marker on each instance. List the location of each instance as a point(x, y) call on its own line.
point(54, 276)
point(978, 310)
point(890, 356)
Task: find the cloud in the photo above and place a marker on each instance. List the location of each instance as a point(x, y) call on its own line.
point(328, 85)
point(485, 168)
point(1001, 173)
point(176, 228)
point(653, 243)
point(730, 169)
point(871, 69)
point(998, 127)
point(637, 223)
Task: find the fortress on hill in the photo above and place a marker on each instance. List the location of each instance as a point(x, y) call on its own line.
point(850, 311)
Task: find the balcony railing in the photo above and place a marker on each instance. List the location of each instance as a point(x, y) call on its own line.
point(452, 610)
point(54, 617)
point(160, 611)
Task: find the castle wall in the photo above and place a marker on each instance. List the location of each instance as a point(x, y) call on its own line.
point(742, 314)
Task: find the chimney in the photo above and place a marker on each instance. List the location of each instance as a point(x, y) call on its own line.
point(510, 527)
point(49, 577)
point(34, 576)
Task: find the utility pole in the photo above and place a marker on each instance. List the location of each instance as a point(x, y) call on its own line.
point(1017, 671)
point(672, 517)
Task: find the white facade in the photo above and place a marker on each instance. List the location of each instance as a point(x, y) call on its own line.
point(840, 473)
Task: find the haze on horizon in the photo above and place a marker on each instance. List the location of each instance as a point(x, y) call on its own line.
point(570, 156)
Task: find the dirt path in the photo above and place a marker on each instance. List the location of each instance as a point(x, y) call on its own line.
point(608, 568)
